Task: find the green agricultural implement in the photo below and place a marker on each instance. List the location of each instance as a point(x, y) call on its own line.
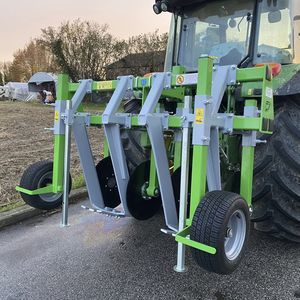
point(205, 142)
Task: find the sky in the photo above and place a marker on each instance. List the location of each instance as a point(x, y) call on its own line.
point(22, 20)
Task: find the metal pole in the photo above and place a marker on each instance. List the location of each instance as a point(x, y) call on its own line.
point(184, 184)
point(66, 166)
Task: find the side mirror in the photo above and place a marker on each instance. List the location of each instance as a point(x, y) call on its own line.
point(274, 16)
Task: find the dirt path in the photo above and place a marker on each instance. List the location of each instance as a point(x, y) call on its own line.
point(23, 141)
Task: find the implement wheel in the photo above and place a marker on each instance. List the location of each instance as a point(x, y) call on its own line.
point(108, 183)
point(37, 176)
point(140, 205)
point(221, 221)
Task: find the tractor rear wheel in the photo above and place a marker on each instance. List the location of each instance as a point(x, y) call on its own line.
point(276, 185)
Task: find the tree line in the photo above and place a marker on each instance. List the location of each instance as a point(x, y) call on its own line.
point(82, 49)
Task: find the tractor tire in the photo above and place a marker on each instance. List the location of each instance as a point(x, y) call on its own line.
point(38, 176)
point(134, 152)
point(276, 185)
point(221, 221)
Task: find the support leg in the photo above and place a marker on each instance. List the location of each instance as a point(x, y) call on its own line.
point(66, 171)
point(184, 184)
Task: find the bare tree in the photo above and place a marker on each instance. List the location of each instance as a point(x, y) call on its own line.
point(33, 58)
point(143, 54)
point(82, 49)
point(5, 73)
point(148, 42)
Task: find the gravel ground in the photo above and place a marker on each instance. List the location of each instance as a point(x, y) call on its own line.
point(103, 258)
point(24, 140)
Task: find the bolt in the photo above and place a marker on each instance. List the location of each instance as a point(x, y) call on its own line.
point(251, 210)
point(229, 233)
point(233, 67)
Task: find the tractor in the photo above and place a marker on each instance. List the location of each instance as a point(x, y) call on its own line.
point(213, 140)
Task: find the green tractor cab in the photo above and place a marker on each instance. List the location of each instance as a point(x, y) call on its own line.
point(213, 141)
point(253, 33)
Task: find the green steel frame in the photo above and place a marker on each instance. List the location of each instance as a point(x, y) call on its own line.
point(259, 75)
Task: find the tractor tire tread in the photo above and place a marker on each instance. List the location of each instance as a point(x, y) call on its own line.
point(276, 189)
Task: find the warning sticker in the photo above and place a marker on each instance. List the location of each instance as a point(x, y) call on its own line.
point(180, 79)
point(199, 116)
point(187, 79)
point(105, 85)
point(269, 92)
point(56, 115)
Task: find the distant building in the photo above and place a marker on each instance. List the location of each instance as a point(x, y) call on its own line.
point(137, 64)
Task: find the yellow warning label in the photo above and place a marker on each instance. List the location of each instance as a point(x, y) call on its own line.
point(56, 115)
point(105, 85)
point(199, 116)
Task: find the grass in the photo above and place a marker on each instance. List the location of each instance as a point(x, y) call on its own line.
point(78, 182)
point(10, 206)
point(88, 106)
point(94, 107)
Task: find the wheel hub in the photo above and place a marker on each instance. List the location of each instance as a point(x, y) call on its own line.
point(108, 183)
point(229, 233)
point(111, 182)
point(140, 205)
point(45, 180)
point(235, 235)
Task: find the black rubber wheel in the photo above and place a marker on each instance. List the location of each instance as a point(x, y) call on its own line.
point(221, 221)
point(37, 176)
point(276, 186)
point(140, 205)
point(108, 183)
point(135, 153)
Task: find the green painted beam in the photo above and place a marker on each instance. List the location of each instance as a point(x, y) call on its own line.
point(45, 190)
point(198, 189)
point(59, 139)
point(247, 173)
point(183, 238)
point(242, 123)
point(251, 74)
point(97, 86)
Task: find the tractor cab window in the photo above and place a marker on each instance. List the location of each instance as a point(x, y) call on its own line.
point(216, 28)
point(275, 41)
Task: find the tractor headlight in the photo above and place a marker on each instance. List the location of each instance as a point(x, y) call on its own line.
point(157, 7)
point(164, 6)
